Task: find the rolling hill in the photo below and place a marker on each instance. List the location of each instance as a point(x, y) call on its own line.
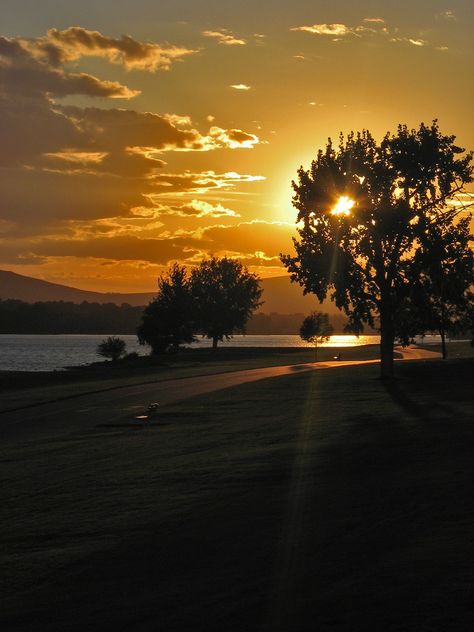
point(279, 294)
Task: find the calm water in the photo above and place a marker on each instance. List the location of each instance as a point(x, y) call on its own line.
point(48, 353)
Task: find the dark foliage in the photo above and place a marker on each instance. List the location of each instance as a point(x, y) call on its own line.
point(370, 259)
point(316, 329)
point(442, 299)
point(225, 294)
point(112, 348)
point(169, 320)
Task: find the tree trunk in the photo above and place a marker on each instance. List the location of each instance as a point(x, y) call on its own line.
point(387, 339)
point(316, 352)
point(442, 333)
point(215, 340)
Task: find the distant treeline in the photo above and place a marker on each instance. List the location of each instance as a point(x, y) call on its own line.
point(59, 317)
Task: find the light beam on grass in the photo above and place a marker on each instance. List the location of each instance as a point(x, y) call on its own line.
point(282, 598)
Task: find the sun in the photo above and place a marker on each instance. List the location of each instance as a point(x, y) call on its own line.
point(343, 206)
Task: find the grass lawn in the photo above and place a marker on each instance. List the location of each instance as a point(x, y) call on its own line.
point(324, 500)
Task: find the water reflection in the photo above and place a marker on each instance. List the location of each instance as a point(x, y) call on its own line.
point(289, 340)
point(350, 341)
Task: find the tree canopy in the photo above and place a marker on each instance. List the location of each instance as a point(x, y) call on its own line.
point(373, 216)
point(216, 300)
point(225, 295)
point(168, 321)
point(316, 329)
point(441, 294)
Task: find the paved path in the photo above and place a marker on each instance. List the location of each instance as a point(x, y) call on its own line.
point(416, 353)
point(119, 406)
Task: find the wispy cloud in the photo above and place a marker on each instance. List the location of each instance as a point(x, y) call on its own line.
point(371, 27)
point(225, 37)
point(240, 86)
point(374, 20)
point(336, 30)
point(446, 15)
point(198, 209)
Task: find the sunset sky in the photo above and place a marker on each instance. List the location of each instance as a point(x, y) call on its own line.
point(135, 134)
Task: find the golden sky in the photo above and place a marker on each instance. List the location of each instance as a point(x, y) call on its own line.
point(135, 134)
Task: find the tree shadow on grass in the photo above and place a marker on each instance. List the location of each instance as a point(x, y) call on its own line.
point(432, 390)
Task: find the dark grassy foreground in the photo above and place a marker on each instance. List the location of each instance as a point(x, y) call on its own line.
point(322, 501)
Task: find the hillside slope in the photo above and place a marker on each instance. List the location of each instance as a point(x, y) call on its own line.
point(279, 294)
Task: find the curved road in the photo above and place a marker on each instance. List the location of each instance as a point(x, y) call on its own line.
point(118, 407)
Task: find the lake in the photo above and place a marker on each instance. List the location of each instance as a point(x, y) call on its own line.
point(54, 352)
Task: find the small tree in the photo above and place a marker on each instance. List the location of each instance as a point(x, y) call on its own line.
point(112, 347)
point(225, 295)
point(370, 215)
point(169, 320)
point(316, 329)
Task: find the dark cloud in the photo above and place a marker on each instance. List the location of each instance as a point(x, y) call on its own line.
point(22, 74)
point(36, 197)
point(33, 196)
point(127, 164)
point(110, 129)
point(30, 127)
point(256, 243)
point(130, 248)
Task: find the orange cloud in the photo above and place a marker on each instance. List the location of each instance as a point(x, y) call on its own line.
point(89, 182)
point(70, 44)
point(229, 138)
point(257, 243)
point(119, 248)
point(150, 131)
point(198, 209)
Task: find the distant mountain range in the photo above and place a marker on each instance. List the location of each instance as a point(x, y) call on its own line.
point(279, 294)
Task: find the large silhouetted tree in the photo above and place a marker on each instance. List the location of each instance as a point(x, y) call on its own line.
point(225, 295)
point(169, 321)
point(370, 214)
